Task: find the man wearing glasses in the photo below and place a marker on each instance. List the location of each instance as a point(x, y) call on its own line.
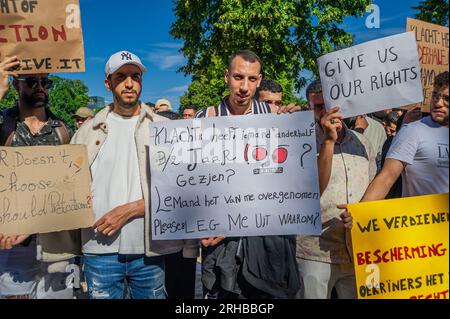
point(24, 274)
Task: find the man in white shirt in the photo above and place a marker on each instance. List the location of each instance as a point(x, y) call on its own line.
point(419, 152)
point(119, 246)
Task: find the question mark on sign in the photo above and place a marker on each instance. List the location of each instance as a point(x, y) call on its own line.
point(89, 201)
point(316, 218)
point(232, 173)
point(308, 149)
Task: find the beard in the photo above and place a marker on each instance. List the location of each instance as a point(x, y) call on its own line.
point(441, 121)
point(35, 101)
point(127, 104)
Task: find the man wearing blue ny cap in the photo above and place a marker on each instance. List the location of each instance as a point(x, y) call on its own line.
point(118, 247)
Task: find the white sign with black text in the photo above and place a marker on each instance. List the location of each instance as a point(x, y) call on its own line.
point(372, 76)
point(234, 176)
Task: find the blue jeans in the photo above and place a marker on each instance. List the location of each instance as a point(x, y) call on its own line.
point(23, 276)
point(116, 276)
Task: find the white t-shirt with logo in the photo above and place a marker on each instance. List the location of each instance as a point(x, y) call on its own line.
point(423, 146)
point(115, 182)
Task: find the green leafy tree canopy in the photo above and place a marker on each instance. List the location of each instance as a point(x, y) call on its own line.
point(66, 97)
point(288, 35)
point(433, 11)
point(10, 99)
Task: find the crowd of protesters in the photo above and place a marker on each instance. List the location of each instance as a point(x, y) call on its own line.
point(387, 154)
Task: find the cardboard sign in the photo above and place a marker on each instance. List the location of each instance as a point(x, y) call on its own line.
point(234, 176)
point(432, 42)
point(45, 35)
point(400, 248)
point(372, 76)
point(44, 189)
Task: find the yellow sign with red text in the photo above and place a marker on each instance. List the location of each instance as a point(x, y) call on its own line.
point(400, 248)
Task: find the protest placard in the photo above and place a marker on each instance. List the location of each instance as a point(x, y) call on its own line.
point(432, 42)
point(44, 189)
point(234, 176)
point(400, 248)
point(372, 76)
point(45, 35)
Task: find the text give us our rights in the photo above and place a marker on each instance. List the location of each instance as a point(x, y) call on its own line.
point(372, 76)
point(234, 176)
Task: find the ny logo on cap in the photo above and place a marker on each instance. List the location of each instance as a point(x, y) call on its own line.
point(126, 56)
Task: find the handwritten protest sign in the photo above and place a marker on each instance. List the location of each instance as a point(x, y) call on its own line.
point(44, 189)
point(234, 176)
point(400, 248)
point(433, 42)
point(372, 76)
point(45, 35)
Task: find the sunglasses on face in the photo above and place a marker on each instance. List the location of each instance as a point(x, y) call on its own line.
point(33, 83)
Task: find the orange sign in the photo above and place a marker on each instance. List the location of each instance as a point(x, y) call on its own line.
point(433, 42)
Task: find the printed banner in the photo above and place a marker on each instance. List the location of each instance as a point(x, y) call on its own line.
point(234, 176)
point(400, 248)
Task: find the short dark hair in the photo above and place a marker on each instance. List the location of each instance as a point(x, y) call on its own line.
point(170, 115)
point(190, 107)
point(441, 80)
point(270, 86)
point(314, 87)
point(247, 55)
point(392, 118)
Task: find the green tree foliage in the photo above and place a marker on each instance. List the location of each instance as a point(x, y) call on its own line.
point(10, 99)
point(300, 101)
point(433, 11)
point(289, 35)
point(66, 97)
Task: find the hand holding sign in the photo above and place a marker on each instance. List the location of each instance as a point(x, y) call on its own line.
point(211, 241)
point(7, 68)
point(331, 123)
point(113, 221)
point(346, 217)
point(8, 242)
point(290, 108)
